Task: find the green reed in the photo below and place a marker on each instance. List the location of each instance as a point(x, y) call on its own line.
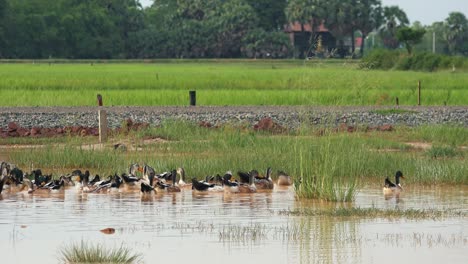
point(85, 252)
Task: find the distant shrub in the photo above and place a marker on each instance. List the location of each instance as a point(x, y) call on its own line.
point(424, 61)
point(380, 59)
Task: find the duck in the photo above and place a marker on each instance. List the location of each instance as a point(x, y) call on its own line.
point(146, 188)
point(5, 168)
point(27, 184)
point(147, 172)
point(181, 182)
point(2, 182)
point(129, 180)
point(39, 179)
point(229, 185)
point(390, 187)
point(173, 187)
point(13, 181)
point(284, 179)
point(203, 187)
point(77, 178)
point(133, 169)
point(96, 179)
point(111, 185)
point(164, 176)
point(56, 185)
point(264, 183)
point(244, 177)
point(248, 187)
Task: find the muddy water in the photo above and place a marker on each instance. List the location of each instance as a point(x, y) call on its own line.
point(214, 228)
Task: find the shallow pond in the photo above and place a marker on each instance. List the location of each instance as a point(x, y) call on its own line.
point(228, 228)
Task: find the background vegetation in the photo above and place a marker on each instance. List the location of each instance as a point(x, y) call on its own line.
point(123, 29)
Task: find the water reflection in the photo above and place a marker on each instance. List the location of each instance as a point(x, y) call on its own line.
point(233, 227)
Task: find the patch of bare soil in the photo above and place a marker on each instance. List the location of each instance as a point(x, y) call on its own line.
point(419, 145)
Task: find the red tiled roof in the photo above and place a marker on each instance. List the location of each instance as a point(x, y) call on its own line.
point(296, 27)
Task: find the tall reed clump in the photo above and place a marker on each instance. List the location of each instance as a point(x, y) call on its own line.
point(84, 252)
point(330, 170)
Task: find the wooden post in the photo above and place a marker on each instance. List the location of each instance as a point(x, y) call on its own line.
point(193, 98)
point(99, 98)
point(396, 101)
point(102, 116)
point(419, 92)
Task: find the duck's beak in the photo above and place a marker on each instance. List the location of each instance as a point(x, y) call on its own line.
point(403, 177)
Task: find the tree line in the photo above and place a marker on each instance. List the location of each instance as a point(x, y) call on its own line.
point(123, 29)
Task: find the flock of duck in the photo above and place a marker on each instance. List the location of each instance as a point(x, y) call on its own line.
point(12, 179)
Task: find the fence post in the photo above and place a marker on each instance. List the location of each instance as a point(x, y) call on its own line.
point(193, 98)
point(99, 99)
point(102, 116)
point(396, 101)
point(419, 92)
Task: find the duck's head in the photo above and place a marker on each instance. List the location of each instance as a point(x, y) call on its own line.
point(399, 174)
point(134, 168)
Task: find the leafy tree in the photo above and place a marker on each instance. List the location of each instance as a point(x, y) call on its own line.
point(410, 36)
point(340, 20)
point(457, 33)
point(368, 18)
point(235, 20)
point(393, 18)
point(264, 44)
point(3, 11)
point(270, 13)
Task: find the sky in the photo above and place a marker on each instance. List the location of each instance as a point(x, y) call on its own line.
point(424, 11)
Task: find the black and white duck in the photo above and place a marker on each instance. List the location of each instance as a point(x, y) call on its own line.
point(393, 188)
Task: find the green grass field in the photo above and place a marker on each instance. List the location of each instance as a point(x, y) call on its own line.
point(224, 82)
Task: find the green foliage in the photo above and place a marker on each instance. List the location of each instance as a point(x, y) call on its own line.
point(442, 152)
point(456, 33)
point(380, 59)
point(270, 13)
point(262, 44)
point(424, 61)
point(445, 135)
point(410, 37)
point(325, 171)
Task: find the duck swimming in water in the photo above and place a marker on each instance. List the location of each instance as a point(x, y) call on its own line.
point(390, 187)
point(284, 179)
point(181, 183)
point(265, 183)
point(248, 187)
point(173, 187)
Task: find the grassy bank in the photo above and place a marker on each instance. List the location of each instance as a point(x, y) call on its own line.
point(266, 82)
point(328, 165)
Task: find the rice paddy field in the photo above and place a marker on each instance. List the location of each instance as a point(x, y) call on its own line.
point(223, 82)
point(335, 211)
